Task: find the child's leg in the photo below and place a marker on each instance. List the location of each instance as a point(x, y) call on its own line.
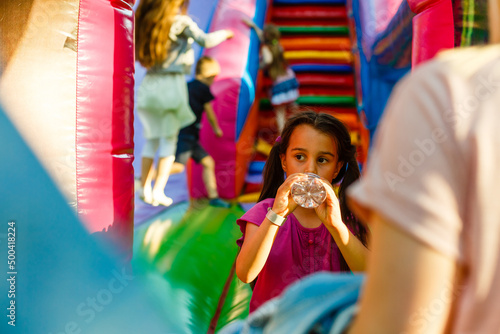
point(164, 166)
point(167, 157)
point(208, 164)
point(280, 117)
point(177, 168)
point(185, 142)
point(210, 181)
point(147, 169)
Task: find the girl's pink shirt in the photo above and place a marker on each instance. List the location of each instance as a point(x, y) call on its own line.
point(297, 252)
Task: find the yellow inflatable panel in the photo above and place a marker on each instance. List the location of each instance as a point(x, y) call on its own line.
point(263, 147)
point(313, 54)
point(249, 198)
point(355, 140)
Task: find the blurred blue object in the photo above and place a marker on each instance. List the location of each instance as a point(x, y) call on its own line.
point(384, 58)
point(322, 302)
point(60, 279)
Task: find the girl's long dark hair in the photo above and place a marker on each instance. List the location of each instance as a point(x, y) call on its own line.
point(274, 175)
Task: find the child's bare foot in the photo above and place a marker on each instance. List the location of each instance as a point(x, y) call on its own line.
point(161, 199)
point(146, 194)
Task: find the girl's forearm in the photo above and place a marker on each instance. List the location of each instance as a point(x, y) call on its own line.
point(255, 251)
point(352, 249)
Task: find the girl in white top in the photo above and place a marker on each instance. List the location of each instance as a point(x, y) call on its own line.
point(164, 38)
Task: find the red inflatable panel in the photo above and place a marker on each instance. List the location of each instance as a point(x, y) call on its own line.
point(433, 28)
point(338, 110)
point(351, 120)
point(267, 122)
point(104, 118)
point(325, 79)
point(311, 22)
point(309, 12)
point(325, 90)
point(318, 61)
point(319, 79)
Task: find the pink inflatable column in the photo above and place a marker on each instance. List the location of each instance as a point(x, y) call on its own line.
point(104, 118)
point(232, 56)
point(433, 28)
point(67, 83)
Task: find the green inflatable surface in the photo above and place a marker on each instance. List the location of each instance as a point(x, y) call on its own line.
point(344, 101)
point(195, 258)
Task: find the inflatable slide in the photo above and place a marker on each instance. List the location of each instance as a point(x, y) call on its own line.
point(316, 40)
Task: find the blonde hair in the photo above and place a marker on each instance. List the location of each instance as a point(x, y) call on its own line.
point(153, 19)
point(207, 67)
point(272, 37)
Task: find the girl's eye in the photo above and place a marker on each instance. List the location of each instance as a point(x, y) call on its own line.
point(299, 157)
point(322, 160)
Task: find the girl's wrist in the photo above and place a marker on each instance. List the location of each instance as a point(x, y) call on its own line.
point(275, 218)
point(282, 213)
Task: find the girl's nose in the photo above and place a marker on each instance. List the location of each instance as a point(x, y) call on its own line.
point(311, 168)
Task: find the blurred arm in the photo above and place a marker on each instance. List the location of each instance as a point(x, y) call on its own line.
point(212, 119)
point(407, 282)
point(207, 40)
point(255, 250)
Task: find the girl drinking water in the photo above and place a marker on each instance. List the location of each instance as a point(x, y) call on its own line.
point(283, 242)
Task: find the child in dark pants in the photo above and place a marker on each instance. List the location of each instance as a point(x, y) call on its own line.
point(188, 144)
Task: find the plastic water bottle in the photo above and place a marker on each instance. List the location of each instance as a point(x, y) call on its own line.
point(308, 192)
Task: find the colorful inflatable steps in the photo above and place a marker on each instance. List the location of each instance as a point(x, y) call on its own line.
point(315, 37)
point(316, 43)
point(314, 30)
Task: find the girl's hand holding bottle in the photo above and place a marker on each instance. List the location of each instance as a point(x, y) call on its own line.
point(329, 211)
point(284, 203)
point(313, 192)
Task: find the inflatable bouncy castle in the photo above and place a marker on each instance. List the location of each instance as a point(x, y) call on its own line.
point(68, 145)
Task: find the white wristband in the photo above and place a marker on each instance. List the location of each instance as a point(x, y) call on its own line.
point(275, 218)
